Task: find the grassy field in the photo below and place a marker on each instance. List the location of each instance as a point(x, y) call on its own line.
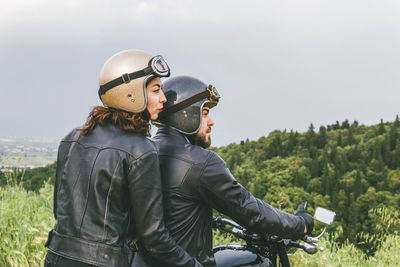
point(26, 218)
point(349, 255)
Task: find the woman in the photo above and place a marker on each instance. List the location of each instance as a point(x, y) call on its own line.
point(107, 198)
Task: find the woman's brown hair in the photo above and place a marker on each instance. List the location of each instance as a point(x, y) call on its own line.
point(130, 122)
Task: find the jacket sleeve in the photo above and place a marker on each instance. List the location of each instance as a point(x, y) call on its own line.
point(62, 156)
point(146, 200)
point(219, 189)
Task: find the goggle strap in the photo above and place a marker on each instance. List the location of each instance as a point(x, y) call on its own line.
point(185, 103)
point(125, 78)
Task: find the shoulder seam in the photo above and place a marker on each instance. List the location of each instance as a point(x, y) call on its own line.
point(113, 148)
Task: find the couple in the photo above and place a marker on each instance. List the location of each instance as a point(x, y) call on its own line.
point(121, 199)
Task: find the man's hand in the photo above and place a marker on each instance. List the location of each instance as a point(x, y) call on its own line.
point(309, 220)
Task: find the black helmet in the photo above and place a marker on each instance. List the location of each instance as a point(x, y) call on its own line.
point(186, 97)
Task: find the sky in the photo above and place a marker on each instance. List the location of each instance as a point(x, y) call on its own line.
point(278, 64)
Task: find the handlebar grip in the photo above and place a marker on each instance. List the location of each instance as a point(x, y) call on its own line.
point(310, 249)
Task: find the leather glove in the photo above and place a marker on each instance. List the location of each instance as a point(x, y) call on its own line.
point(309, 220)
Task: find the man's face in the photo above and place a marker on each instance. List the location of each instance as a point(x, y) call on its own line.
point(203, 136)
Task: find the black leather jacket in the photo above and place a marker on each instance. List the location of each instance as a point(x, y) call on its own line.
point(108, 200)
point(195, 181)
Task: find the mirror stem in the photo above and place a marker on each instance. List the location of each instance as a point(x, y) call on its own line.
point(319, 236)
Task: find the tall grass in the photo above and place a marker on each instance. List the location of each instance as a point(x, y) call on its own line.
point(348, 255)
point(25, 220)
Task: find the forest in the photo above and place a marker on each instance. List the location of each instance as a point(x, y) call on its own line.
point(346, 167)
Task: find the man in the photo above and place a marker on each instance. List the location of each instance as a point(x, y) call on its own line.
point(196, 180)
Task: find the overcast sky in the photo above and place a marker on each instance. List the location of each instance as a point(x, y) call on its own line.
point(279, 64)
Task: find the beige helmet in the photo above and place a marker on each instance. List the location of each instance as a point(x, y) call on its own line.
point(124, 76)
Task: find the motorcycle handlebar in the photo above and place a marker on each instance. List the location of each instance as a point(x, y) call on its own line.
point(221, 220)
point(310, 245)
point(237, 230)
point(309, 248)
point(311, 239)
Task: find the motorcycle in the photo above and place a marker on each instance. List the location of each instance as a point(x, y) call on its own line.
point(264, 250)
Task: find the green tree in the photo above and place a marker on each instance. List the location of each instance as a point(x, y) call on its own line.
point(381, 129)
point(345, 124)
point(322, 138)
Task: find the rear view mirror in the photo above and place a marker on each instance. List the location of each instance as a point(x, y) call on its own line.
point(325, 216)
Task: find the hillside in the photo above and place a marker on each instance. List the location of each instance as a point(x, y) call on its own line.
point(349, 168)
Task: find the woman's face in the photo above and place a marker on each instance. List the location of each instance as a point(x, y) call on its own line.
point(155, 98)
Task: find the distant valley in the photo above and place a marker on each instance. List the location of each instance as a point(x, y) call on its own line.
point(27, 152)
